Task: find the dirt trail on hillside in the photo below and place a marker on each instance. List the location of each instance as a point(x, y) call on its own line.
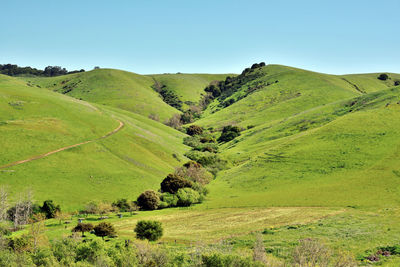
point(121, 124)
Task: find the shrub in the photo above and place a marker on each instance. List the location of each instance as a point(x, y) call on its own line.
point(50, 209)
point(91, 208)
point(383, 77)
point(171, 98)
point(221, 260)
point(151, 256)
point(310, 252)
point(191, 141)
point(171, 200)
point(174, 121)
point(122, 204)
point(194, 130)
point(207, 139)
point(148, 200)
point(20, 244)
point(213, 89)
point(229, 133)
point(150, 230)
point(187, 197)
point(194, 172)
point(172, 183)
point(154, 117)
point(83, 227)
point(104, 229)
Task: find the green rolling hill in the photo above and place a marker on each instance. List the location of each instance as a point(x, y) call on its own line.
point(318, 155)
point(114, 88)
point(35, 121)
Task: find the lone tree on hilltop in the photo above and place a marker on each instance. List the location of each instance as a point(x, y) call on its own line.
point(148, 200)
point(150, 230)
point(383, 77)
point(83, 227)
point(104, 229)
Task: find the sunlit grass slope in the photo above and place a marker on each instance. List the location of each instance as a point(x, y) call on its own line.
point(35, 121)
point(116, 88)
point(290, 91)
point(189, 87)
point(341, 154)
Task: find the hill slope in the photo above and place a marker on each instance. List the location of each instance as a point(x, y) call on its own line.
point(36, 121)
point(115, 88)
point(277, 92)
point(330, 146)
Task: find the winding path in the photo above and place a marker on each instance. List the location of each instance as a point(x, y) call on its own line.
point(121, 124)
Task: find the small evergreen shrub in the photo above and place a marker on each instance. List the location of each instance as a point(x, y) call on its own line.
point(150, 230)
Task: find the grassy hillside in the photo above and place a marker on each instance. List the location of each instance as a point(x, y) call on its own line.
point(189, 87)
point(279, 92)
point(321, 160)
point(332, 155)
point(115, 88)
point(35, 121)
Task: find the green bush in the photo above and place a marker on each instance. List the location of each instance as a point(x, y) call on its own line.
point(150, 230)
point(207, 147)
point(221, 260)
point(194, 130)
point(187, 197)
point(172, 183)
point(170, 199)
point(148, 200)
point(191, 141)
point(229, 133)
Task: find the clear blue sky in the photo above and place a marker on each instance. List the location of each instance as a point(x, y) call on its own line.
point(215, 36)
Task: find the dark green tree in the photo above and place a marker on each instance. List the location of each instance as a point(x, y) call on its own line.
point(150, 230)
point(104, 229)
point(50, 209)
point(172, 183)
point(148, 200)
point(83, 227)
point(229, 133)
point(383, 77)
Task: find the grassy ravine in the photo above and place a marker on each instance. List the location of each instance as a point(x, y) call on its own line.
point(321, 159)
point(189, 87)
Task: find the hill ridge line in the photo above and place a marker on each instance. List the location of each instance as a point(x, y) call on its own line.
point(121, 124)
